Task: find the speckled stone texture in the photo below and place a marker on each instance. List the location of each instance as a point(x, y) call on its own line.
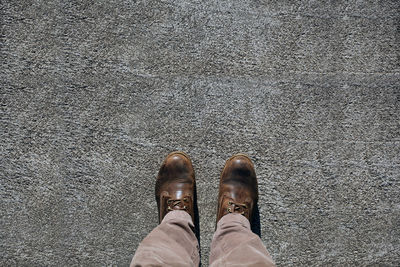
point(94, 95)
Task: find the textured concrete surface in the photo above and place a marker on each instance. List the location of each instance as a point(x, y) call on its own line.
point(94, 94)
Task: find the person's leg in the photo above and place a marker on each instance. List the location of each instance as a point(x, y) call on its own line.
point(173, 242)
point(234, 244)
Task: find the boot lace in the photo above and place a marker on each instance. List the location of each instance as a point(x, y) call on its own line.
point(177, 204)
point(237, 207)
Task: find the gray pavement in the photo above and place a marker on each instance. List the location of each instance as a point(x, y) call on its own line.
point(94, 95)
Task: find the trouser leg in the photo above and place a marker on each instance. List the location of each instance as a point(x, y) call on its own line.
point(171, 243)
point(234, 244)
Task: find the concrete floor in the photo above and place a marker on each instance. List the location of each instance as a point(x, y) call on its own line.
point(94, 95)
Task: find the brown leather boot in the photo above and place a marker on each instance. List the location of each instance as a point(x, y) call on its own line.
point(238, 189)
point(175, 185)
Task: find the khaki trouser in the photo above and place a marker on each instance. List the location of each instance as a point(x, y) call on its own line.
point(173, 243)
